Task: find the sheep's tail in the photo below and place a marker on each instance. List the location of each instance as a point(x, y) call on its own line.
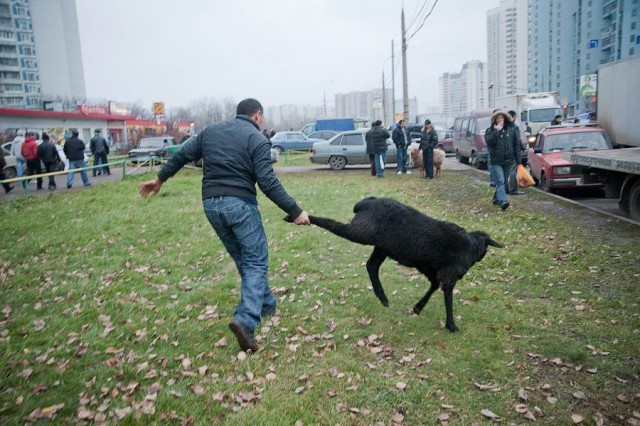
point(344, 230)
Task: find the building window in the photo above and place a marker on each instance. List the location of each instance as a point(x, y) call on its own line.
point(4, 48)
point(633, 25)
point(632, 38)
point(10, 75)
point(6, 35)
point(632, 51)
point(9, 61)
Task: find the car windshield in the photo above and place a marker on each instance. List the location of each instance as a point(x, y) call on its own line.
point(150, 143)
point(482, 125)
point(576, 140)
point(542, 115)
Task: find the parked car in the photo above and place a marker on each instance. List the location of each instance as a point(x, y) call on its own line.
point(284, 141)
point(10, 169)
point(346, 148)
point(323, 134)
point(546, 160)
point(152, 147)
point(468, 137)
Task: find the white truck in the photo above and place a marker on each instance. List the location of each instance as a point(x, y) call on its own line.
point(535, 110)
point(617, 112)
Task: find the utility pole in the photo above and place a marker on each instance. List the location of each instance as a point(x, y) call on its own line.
point(405, 83)
point(393, 86)
point(384, 104)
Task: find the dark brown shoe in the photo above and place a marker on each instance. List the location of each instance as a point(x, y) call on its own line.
point(245, 336)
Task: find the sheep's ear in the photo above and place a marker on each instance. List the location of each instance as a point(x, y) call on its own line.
point(490, 242)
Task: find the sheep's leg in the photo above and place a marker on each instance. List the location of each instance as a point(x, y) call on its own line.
point(373, 267)
point(420, 305)
point(448, 303)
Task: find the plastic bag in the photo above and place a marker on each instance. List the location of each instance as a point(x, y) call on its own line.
point(524, 178)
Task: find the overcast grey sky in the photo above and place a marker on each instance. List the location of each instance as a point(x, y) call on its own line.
point(278, 51)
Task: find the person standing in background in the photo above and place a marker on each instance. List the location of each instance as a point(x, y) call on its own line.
point(49, 155)
point(74, 150)
point(428, 141)
point(100, 150)
point(16, 151)
point(400, 138)
point(30, 153)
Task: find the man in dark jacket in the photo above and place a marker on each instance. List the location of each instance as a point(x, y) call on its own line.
point(235, 156)
point(428, 141)
point(74, 150)
point(99, 149)
point(402, 141)
point(49, 155)
point(367, 138)
point(379, 138)
point(504, 148)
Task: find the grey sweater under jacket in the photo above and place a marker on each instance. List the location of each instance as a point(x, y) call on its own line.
point(235, 156)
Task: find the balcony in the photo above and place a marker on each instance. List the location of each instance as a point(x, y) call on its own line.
point(611, 29)
point(607, 41)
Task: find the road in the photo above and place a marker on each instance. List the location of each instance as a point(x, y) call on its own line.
point(593, 201)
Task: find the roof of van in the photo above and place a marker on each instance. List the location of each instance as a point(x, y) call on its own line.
point(486, 112)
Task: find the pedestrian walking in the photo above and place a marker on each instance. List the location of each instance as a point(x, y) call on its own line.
point(428, 141)
point(30, 153)
point(100, 150)
point(236, 156)
point(504, 148)
point(49, 154)
point(402, 141)
point(74, 150)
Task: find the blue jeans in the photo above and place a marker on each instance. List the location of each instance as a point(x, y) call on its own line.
point(500, 195)
point(427, 161)
point(402, 159)
point(380, 160)
point(21, 166)
point(83, 173)
point(238, 224)
point(512, 168)
point(492, 176)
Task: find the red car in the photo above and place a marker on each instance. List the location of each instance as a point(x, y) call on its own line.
point(546, 160)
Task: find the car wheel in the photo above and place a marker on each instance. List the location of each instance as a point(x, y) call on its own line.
point(462, 159)
point(474, 160)
point(337, 163)
point(9, 173)
point(629, 204)
point(544, 183)
point(278, 149)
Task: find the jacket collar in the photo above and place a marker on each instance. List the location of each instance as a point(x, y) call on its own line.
point(247, 118)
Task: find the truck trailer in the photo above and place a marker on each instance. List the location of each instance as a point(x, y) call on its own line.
point(535, 110)
point(618, 97)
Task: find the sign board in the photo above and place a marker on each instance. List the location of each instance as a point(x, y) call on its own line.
point(158, 108)
point(593, 44)
point(565, 100)
point(117, 108)
point(92, 109)
point(588, 84)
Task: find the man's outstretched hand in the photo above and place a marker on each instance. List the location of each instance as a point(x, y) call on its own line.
point(150, 186)
point(302, 219)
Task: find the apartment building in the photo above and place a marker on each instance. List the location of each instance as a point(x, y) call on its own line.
point(39, 52)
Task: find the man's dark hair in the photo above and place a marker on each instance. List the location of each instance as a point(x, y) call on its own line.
point(249, 107)
point(400, 122)
point(512, 113)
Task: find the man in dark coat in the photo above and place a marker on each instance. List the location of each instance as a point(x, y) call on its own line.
point(100, 150)
point(428, 141)
point(49, 155)
point(379, 138)
point(402, 141)
point(74, 150)
point(7, 188)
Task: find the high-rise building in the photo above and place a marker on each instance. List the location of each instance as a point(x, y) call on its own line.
point(507, 49)
point(40, 53)
point(368, 105)
point(464, 91)
point(568, 40)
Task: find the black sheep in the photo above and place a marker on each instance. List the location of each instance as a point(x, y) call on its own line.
point(442, 251)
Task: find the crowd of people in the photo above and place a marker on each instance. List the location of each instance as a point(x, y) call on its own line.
point(32, 151)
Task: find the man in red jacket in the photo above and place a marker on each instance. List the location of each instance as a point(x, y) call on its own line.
point(30, 153)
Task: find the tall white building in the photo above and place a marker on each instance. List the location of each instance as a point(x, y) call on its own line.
point(507, 28)
point(40, 53)
point(368, 105)
point(464, 91)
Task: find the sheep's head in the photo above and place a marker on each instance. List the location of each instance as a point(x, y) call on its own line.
point(483, 240)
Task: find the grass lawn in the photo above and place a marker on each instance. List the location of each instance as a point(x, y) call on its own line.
point(115, 308)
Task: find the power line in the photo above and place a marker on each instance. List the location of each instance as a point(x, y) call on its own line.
point(423, 21)
point(424, 4)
